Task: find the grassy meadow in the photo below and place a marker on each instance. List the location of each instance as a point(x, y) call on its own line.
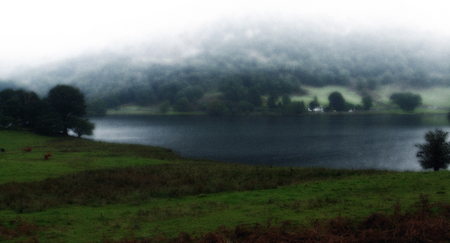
point(100, 192)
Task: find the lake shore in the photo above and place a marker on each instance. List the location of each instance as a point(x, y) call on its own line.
point(206, 196)
point(136, 110)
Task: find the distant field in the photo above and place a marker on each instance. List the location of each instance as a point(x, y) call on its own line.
point(435, 100)
point(322, 94)
point(431, 97)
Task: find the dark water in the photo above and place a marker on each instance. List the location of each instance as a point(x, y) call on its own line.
point(332, 141)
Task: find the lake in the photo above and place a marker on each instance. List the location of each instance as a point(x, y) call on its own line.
point(331, 141)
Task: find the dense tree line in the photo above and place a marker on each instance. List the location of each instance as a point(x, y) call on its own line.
point(62, 110)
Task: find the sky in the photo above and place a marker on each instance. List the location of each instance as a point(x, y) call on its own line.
point(35, 32)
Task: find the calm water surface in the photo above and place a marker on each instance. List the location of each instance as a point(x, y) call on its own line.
point(332, 141)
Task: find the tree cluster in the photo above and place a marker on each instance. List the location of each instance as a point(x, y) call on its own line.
point(406, 101)
point(62, 110)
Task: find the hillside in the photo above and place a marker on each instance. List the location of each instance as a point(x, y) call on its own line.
point(270, 53)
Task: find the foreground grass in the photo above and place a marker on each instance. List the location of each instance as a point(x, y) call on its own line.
point(92, 191)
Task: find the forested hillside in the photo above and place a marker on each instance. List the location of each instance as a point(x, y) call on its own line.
point(270, 55)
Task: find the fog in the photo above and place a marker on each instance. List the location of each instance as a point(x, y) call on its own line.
point(42, 32)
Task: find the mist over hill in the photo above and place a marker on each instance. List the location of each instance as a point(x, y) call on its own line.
point(271, 53)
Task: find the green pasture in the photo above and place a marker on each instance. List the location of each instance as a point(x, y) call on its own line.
point(322, 94)
point(69, 155)
point(435, 100)
point(313, 193)
point(431, 97)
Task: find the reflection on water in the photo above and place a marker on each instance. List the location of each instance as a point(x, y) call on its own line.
point(332, 141)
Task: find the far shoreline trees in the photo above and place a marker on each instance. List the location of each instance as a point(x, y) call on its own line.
point(406, 101)
point(337, 102)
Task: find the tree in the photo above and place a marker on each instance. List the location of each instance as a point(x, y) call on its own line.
point(215, 108)
point(22, 106)
point(337, 101)
point(164, 107)
point(182, 105)
point(286, 100)
point(193, 93)
point(367, 102)
point(49, 123)
point(67, 102)
point(233, 91)
point(254, 96)
point(245, 106)
point(314, 103)
point(407, 101)
point(272, 101)
point(435, 153)
point(298, 107)
point(81, 126)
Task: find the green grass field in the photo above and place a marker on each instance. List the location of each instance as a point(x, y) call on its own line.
point(94, 191)
point(322, 94)
point(431, 97)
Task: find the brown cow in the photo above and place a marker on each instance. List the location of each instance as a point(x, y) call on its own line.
point(46, 156)
point(28, 149)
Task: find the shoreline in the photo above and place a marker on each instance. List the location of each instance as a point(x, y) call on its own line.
point(420, 111)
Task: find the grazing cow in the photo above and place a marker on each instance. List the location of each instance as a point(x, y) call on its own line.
point(46, 156)
point(3, 150)
point(28, 149)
